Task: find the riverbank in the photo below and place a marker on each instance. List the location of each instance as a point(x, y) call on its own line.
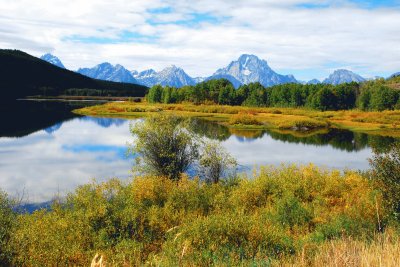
point(385, 123)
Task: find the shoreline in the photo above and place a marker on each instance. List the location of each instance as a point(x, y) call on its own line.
point(295, 120)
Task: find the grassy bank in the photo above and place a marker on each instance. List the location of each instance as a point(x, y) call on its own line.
point(282, 216)
point(383, 123)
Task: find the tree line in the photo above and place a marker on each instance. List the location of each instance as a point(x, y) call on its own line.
point(372, 95)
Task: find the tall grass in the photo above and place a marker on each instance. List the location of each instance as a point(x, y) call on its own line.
point(383, 250)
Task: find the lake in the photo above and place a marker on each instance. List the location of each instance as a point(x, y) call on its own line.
point(46, 151)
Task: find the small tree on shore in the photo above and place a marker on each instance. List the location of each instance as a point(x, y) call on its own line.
point(167, 146)
point(164, 146)
point(215, 161)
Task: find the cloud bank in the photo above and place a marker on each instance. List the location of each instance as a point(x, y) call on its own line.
point(306, 38)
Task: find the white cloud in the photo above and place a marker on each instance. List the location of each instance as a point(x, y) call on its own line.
point(287, 36)
point(48, 164)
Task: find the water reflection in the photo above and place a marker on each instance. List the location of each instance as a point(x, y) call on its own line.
point(104, 122)
point(336, 138)
point(339, 139)
point(53, 128)
point(58, 151)
point(42, 164)
point(21, 118)
point(209, 129)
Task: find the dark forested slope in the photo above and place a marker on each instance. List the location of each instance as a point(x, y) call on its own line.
point(24, 75)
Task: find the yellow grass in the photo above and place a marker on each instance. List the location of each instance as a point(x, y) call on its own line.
point(383, 251)
point(382, 123)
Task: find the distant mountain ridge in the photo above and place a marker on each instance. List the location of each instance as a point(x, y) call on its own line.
point(170, 76)
point(246, 69)
point(343, 76)
point(314, 81)
point(106, 71)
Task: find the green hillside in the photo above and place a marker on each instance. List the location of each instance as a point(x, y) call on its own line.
point(23, 75)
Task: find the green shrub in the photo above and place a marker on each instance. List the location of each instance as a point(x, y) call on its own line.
point(7, 224)
point(164, 146)
point(291, 212)
point(232, 238)
point(386, 171)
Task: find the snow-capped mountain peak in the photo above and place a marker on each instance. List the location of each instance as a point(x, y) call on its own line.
point(53, 60)
point(248, 69)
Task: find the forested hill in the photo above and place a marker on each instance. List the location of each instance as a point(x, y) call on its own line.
point(23, 75)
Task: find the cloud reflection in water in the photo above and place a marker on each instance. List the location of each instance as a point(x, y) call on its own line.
point(58, 159)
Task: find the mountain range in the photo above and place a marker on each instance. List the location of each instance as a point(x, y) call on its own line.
point(246, 69)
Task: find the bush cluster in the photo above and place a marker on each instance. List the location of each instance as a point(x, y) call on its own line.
point(155, 220)
point(244, 119)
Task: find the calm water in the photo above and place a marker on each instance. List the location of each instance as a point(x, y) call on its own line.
point(47, 151)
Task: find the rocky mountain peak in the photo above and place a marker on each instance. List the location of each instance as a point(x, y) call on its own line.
point(53, 60)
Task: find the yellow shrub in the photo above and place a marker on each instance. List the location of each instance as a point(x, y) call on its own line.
point(270, 217)
point(244, 119)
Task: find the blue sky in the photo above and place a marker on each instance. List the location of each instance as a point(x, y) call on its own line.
point(306, 38)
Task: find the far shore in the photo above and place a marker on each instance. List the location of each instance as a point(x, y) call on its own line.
point(296, 120)
point(83, 98)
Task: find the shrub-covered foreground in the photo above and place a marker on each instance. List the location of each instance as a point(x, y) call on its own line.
point(276, 216)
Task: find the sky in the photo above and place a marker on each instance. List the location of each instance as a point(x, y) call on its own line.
point(308, 39)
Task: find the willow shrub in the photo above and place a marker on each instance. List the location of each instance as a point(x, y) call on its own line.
point(154, 220)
